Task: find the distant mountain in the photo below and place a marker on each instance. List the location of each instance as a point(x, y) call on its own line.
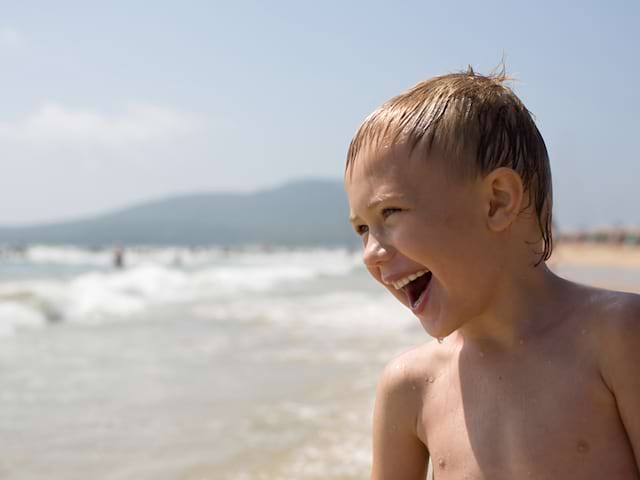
point(302, 213)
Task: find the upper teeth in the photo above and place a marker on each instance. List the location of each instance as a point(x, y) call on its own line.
point(404, 281)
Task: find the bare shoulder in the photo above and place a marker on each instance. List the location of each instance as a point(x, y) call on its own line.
point(406, 372)
point(398, 451)
point(405, 378)
point(615, 317)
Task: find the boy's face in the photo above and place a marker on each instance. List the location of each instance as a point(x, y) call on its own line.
point(414, 217)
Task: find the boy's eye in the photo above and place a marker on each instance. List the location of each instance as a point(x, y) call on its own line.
point(362, 229)
point(388, 211)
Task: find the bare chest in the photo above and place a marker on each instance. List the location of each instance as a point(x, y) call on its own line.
point(530, 418)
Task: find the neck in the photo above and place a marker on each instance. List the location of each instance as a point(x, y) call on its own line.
point(526, 303)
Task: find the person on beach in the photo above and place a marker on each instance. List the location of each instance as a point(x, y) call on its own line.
point(532, 376)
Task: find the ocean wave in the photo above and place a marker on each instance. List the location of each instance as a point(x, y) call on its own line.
point(15, 316)
point(352, 313)
point(173, 256)
point(99, 295)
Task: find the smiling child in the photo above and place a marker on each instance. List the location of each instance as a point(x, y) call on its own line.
point(533, 376)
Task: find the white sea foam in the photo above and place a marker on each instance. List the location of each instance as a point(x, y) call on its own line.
point(44, 254)
point(333, 259)
point(99, 293)
point(351, 312)
point(15, 316)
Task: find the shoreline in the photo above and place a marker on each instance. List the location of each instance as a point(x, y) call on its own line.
point(596, 255)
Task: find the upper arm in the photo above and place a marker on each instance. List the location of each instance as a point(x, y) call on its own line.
point(398, 453)
point(620, 367)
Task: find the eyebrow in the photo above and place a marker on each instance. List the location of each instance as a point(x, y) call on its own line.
point(375, 202)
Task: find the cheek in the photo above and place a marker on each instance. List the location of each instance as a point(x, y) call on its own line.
point(463, 269)
point(466, 286)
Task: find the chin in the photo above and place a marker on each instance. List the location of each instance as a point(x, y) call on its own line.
point(437, 333)
point(437, 328)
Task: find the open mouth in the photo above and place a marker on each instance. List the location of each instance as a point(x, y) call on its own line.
point(416, 289)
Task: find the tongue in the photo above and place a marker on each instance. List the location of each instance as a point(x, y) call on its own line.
point(415, 288)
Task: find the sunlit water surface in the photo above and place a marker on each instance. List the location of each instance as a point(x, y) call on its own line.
point(196, 364)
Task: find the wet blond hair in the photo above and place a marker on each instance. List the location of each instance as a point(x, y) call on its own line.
point(467, 116)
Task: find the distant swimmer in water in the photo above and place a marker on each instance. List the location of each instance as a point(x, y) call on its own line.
point(118, 257)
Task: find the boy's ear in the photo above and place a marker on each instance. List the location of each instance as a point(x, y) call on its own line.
point(505, 193)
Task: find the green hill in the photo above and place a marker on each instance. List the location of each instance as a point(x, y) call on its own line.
point(302, 213)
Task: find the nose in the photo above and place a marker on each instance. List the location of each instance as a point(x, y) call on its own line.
point(376, 252)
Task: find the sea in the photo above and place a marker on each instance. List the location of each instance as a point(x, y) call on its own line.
point(197, 363)
point(200, 364)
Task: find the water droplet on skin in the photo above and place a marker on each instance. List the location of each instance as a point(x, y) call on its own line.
point(482, 354)
point(441, 463)
point(413, 387)
point(430, 380)
point(521, 342)
point(583, 446)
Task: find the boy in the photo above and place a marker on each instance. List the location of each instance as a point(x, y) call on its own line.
point(533, 376)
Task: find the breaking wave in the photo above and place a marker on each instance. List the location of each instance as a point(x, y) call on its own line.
point(70, 284)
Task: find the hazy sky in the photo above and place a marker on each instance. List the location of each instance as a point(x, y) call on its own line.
point(107, 103)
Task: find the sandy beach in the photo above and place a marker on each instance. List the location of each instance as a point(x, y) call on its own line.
point(597, 255)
